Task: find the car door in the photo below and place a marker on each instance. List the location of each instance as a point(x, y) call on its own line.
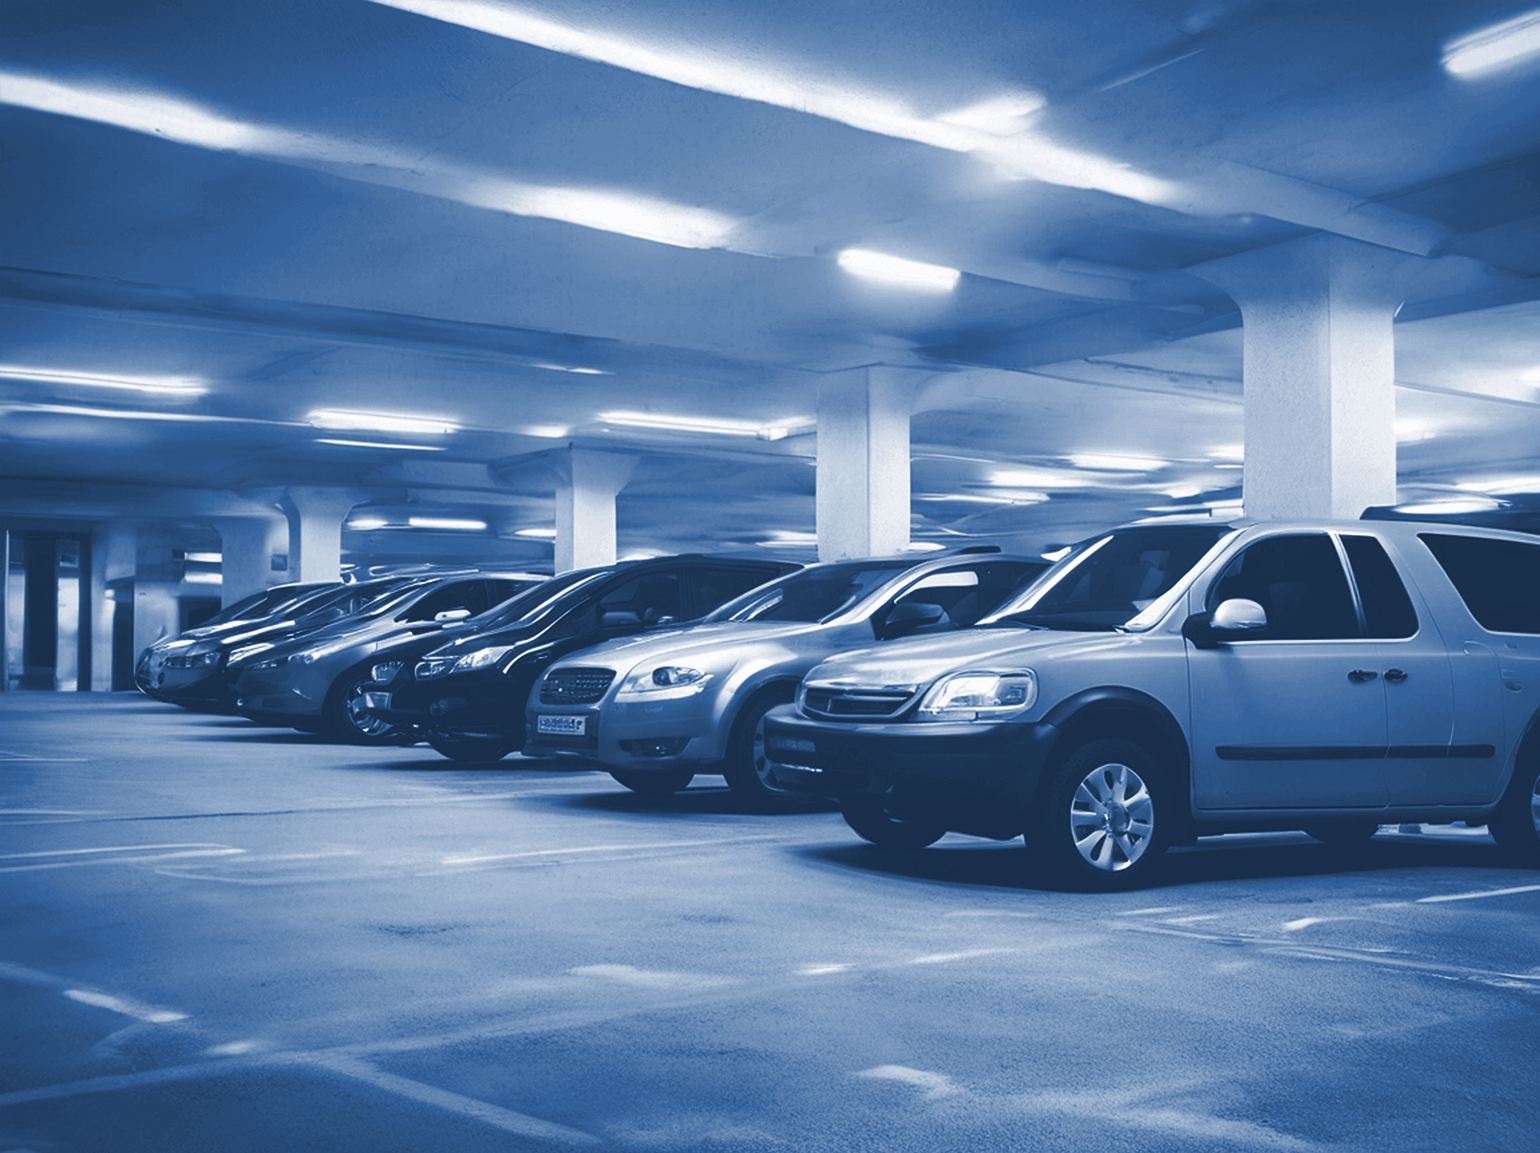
point(1293, 716)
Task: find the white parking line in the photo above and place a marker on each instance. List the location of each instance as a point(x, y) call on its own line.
point(605, 849)
point(127, 1008)
point(120, 860)
point(934, 1084)
point(1149, 912)
point(111, 849)
point(1482, 893)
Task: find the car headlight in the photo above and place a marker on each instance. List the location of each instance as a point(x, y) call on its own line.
point(193, 661)
point(979, 696)
point(480, 659)
point(665, 677)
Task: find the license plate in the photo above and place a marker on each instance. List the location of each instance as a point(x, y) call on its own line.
point(564, 726)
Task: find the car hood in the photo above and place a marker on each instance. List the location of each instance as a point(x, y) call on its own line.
point(920, 660)
point(717, 638)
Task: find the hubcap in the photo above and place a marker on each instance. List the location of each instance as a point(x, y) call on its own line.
point(1112, 816)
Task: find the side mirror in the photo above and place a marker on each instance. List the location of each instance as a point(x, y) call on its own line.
point(448, 615)
point(908, 616)
point(1232, 620)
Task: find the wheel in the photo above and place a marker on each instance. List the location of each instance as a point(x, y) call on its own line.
point(1343, 833)
point(469, 747)
point(659, 784)
point(1515, 826)
point(746, 768)
point(1101, 824)
point(872, 823)
point(344, 718)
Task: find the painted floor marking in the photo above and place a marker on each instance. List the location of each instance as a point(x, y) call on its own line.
point(934, 1084)
point(120, 860)
point(1483, 893)
point(126, 1007)
point(111, 849)
point(5, 756)
point(942, 958)
point(1149, 912)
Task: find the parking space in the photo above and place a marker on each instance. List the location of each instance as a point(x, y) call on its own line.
point(225, 937)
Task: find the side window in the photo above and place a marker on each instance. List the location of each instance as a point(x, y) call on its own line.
point(1298, 581)
point(966, 594)
point(470, 595)
point(646, 600)
point(714, 587)
point(500, 590)
point(1388, 610)
point(1499, 580)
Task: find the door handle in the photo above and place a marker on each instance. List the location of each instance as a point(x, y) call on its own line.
point(1395, 676)
point(1359, 676)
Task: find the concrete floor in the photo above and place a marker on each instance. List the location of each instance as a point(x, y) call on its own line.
point(224, 938)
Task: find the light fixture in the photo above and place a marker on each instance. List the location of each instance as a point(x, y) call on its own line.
point(465, 524)
point(924, 546)
point(1498, 46)
point(570, 368)
point(1034, 478)
point(896, 270)
point(1228, 452)
point(1453, 505)
point(1105, 462)
point(548, 431)
point(380, 444)
point(203, 557)
point(366, 522)
point(775, 431)
point(538, 533)
point(162, 385)
point(202, 578)
point(332, 418)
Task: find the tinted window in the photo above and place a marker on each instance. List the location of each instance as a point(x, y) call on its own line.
point(470, 595)
point(647, 600)
point(535, 600)
point(1298, 581)
point(1387, 609)
point(1107, 581)
point(1499, 580)
point(814, 594)
point(717, 586)
point(965, 594)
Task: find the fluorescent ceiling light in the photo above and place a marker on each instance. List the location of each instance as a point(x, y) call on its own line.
point(133, 414)
point(923, 546)
point(541, 533)
point(468, 524)
point(168, 118)
point(994, 129)
point(202, 578)
point(1499, 46)
point(550, 431)
point(1034, 478)
point(380, 444)
point(700, 424)
point(896, 270)
point(1228, 452)
point(203, 557)
point(166, 385)
point(1105, 462)
point(365, 523)
point(569, 368)
point(1458, 504)
point(379, 422)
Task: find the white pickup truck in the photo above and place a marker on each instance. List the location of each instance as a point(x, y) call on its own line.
point(1172, 680)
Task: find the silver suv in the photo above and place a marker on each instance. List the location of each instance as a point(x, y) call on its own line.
point(657, 710)
point(1170, 680)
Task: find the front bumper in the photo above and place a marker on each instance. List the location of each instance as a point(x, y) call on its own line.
point(977, 777)
point(282, 697)
point(683, 731)
point(482, 702)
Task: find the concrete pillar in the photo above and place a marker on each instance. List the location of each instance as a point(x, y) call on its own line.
point(1319, 368)
point(247, 545)
point(588, 482)
point(863, 461)
point(315, 530)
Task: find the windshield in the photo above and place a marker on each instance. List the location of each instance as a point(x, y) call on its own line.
point(1107, 581)
point(533, 601)
point(352, 598)
point(813, 594)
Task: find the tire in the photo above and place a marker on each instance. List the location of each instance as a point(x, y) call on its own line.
point(464, 747)
point(1102, 824)
point(871, 822)
point(746, 768)
point(659, 784)
point(343, 719)
point(1343, 834)
point(1515, 826)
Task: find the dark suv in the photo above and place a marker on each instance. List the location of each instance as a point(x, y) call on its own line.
point(466, 699)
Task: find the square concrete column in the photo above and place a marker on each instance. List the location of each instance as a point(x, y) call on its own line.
point(863, 461)
point(1319, 370)
point(315, 530)
point(247, 545)
point(588, 482)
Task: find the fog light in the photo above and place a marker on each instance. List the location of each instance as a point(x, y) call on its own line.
point(656, 746)
point(447, 705)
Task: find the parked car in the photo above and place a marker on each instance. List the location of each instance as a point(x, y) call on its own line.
point(315, 682)
point(200, 650)
point(656, 711)
point(466, 699)
point(1167, 681)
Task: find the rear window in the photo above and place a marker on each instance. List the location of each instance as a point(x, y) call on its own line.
point(1499, 580)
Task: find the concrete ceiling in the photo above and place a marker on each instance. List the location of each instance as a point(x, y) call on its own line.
point(522, 218)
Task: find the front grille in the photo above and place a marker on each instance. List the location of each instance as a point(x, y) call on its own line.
point(574, 686)
point(853, 704)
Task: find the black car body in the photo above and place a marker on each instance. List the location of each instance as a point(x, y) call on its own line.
point(467, 698)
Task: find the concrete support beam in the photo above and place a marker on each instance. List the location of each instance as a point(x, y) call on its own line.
point(588, 482)
point(862, 503)
point(247, 545)
point(1319, 367)
point(315, 530)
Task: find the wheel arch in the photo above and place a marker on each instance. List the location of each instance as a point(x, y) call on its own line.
point(1118, 711)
